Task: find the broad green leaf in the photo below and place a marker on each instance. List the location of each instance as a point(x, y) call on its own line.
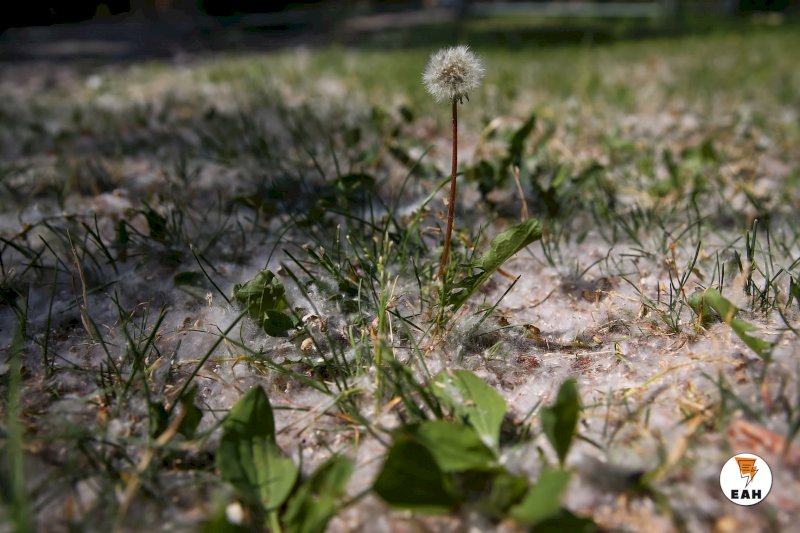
point(566, 521)
point(543, 500)
point(318, 499)
point(760, 346)
point(158, 418)
point(248, 456)
point(262, 293)
point(491, 492)
point(411, 479)
point(500, 250)
point(455, 447)
point(508, 243)
point(276, 324)
point(193, 414)
point(472, 399)
point(265, 300)
point(517, 145)
point(560, 420)
point(696, 303)
point(727, 311)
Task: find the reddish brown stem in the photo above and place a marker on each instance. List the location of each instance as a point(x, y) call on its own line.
point(451, 206)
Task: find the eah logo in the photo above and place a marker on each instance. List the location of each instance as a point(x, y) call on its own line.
point(745, 479)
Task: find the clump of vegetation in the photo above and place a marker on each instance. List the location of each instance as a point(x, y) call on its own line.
point(224, 307)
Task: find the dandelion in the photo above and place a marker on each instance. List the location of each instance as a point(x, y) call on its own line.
point(450, 75)
point(452, 72)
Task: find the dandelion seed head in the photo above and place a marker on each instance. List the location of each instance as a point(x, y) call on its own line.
point(452, 72)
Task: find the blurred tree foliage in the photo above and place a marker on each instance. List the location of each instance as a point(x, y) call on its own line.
point(47, 12)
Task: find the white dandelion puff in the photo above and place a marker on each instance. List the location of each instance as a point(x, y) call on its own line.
point(452, 72)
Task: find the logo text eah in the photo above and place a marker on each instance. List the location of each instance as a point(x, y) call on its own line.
point(744, 494)
point(745, 479)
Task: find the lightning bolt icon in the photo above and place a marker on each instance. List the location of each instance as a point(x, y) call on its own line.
point(750, 475)
point(747, 468)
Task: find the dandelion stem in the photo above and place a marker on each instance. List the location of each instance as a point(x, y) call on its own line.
point(451, 205)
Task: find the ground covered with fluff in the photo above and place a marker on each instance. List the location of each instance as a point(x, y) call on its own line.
point(176, 234)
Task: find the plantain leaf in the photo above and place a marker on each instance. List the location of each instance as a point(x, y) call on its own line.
point(543, 500)
point(500, 250)
point(276, 324)
point(158, 418)
point(455, 446)
point(411, 479)
point(505, 490)
point(262, 293)
point(560, 420)
point(265, 300)
point(726, 310)
point(517, 145)
point(248, 456)
point(566, 521)
point(703, 311)
point(319, 498)
point(193, 414)
point(472, 399)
